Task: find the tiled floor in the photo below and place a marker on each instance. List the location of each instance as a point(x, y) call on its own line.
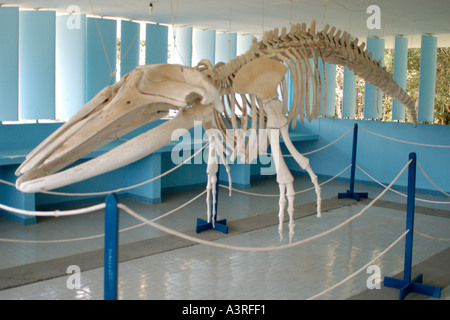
point(203, 272)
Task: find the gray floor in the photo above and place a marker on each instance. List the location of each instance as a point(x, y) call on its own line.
point(155, 265)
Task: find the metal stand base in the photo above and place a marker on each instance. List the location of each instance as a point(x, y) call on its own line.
point(203, 225)
point(355, 195)
point(415, 285)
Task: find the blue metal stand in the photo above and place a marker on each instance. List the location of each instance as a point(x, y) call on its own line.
point(407, 286)
point(221, 225)
point(350, 193)
point(111, 248)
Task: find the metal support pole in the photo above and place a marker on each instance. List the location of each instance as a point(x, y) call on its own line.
point(111, 248)
point(407, 286)
point(351, 192)
point(221, 225)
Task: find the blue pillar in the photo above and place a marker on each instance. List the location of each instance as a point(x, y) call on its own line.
point(427, 80)
point(182, 51)
point(156, 43)
point(9, 63)
point(331, 89)
point(243, 43)
point(70, 67)
point(226, 46)
point(372, 103)
point(349, 96)
point(37, 64)
point(203, 46)
point(111, 248)
point(101, 51)
point(129, 46)
point(400, 70)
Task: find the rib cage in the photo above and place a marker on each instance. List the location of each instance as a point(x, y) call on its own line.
point(294, 49)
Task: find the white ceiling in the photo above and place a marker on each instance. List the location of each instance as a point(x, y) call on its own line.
point(407, 17)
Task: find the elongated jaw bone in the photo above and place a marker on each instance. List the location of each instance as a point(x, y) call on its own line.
point(144, 95)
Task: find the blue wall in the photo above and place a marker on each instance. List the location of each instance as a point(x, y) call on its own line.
point(380, 157)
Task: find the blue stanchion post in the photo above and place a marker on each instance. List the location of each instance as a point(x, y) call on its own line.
point(219, 225)
point(111, 248)
point(407, 285)
point(351, 192)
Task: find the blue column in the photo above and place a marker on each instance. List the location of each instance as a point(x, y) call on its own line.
point(156, 43)
point(129, 46)
point(243, 43)
point(70, 66)
point(376, 46)
point(9, 63)
point(400, 70)
point(226, 46)
point(331, 89)
point(37, 64)
point(427, 80)
point(100, 54)
point(203, 46)
point(182, 51)
point(349, 97)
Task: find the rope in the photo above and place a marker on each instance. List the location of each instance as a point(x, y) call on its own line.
point(426, 176)
point(398, 192)
point(55, 213)
point(102, 235)
point(119, 189)
point(321, 148)
point(238, 248)
point(362, 268)
point(277, 195)
point(403, 141)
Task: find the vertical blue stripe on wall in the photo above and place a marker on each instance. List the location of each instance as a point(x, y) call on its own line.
point(376, 46)
point(226, 44)
point(129, 46)
point(70, 64)
point(156, 43)
point(349, 96)
point(243, 43)
point(182, 51)
point(203, 46)
point(400, 70)
point(427, 80)
point(331, 90)
point(37, 64)
point(100, 54)
point(9, 63)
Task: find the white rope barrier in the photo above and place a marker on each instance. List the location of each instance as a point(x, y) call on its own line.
point(101, 193)
point(428, 178)
point(277, 195)
point(330, 144)
point(243, 248)
point(102, 235)
point(319, 149)
point(398, 192)
point(55, 213)
point(404, 141)
point(361, 269)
